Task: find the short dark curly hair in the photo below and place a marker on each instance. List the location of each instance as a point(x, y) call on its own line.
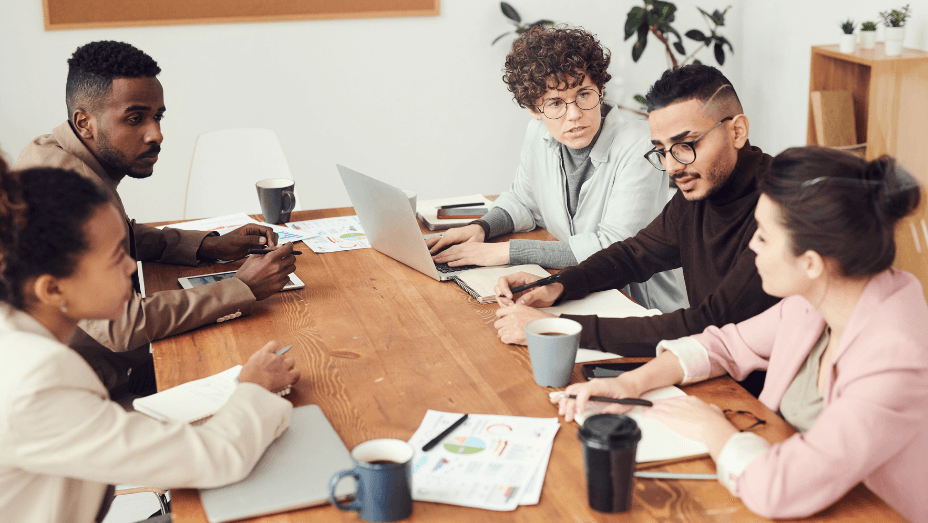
point(42, 217)
point(695, 81)
point(93, 67)
point(544, 53)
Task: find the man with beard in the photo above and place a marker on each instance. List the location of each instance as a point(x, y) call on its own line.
point(115, 106)
point(700, 137)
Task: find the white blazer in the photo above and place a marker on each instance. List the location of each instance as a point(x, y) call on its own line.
point(62, 440)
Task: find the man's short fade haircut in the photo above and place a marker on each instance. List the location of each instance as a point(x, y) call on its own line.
point(543, 52)
point(93, 67)
point(695, 82)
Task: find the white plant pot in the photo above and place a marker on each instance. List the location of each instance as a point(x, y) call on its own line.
point(894, 38)
point(846, 44)
point(868, 39)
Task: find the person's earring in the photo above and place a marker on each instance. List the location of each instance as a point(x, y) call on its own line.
point(64, 307)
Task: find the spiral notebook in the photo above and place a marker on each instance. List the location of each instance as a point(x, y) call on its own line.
point(195, 400)
point(479, 283)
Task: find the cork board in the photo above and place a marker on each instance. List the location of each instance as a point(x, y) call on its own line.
point(82, 14)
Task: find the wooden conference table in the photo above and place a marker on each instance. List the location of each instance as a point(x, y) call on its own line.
point(378, 344)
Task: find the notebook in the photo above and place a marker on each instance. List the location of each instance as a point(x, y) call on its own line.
point(195, 400)
point(293, 473)
point(658, 442)
point(479, 283)
point(427, 211)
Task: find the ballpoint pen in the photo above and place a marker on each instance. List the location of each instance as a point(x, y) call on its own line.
point(621, 401)
point(268, 251)
point(537, 283)
point(437, 439)
point(457, 205)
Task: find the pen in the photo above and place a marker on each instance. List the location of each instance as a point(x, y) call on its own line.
point(544, 281)
point(456, 205)
point(621, 401)
point(437, 439)
point(279, 353)
point(674, 475)
point(267, 251)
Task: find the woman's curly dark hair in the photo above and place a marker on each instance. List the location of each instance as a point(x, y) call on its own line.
point(42, 217)
point(544, 52)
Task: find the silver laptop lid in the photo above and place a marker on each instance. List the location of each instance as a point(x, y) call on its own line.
point(389, 222)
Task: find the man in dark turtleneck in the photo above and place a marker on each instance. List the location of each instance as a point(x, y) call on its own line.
point(700, 137)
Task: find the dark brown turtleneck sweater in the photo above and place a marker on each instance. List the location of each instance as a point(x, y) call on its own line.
point(709, 239)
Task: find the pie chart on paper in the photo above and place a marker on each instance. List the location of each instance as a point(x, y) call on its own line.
point(465, 445)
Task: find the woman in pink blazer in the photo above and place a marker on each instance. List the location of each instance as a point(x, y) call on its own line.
point(846, 351)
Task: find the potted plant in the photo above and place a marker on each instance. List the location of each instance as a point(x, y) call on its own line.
point(895, 29)
point(846, 44)
point(868, 35)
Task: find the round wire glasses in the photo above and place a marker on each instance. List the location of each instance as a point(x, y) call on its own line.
point(586, 99)
point(683, 152)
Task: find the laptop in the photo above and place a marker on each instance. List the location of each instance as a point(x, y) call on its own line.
point(293, 473)
point(391, 226)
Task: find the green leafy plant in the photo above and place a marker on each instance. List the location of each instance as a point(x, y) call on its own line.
point(868, 26)
point(895, 18)
point(655, 18)
point(848, 26)
point(510, 13)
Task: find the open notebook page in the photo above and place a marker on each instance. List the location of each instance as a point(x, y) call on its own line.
point(480, 283)
point(191, 401)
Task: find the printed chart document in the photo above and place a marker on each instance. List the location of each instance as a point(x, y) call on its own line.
point(343, 233)
point(658, 442)
point(227, 224)
point(606, 304)
point(427, 211)
point(490, 462)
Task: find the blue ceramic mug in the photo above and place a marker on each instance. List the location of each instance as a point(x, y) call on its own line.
point(384, 477)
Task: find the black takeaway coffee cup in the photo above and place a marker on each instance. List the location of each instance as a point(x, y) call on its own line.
point(609, 444)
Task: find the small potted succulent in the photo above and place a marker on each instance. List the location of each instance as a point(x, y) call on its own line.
point(868, 35)
point(895, 29)
point(846, 44)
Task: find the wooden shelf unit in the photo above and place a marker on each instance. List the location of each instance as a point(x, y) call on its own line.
point(890, 96)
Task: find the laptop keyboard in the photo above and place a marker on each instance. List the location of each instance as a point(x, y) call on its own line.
point(445, 269)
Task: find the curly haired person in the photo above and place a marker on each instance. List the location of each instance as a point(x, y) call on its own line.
point(582, 174)
point(64, 442)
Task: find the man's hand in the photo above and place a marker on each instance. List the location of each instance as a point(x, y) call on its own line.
point(234, 245)
point(543, 296)
point(474, 253)
point(266, 274)
point(512, 321)
point(468, 233)
point(269, 370)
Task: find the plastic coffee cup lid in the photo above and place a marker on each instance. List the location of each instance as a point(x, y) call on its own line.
point(609, 432)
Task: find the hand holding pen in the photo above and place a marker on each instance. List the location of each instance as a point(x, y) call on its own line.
point(269, 368)
point(543, 292)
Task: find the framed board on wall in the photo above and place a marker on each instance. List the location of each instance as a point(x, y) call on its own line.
point(82, 14)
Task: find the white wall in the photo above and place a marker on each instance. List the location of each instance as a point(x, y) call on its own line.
point(416, 102)
point(776, 57)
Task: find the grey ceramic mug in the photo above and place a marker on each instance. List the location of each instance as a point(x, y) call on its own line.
point(552, 347)
point(384, 476)
point(277, 199)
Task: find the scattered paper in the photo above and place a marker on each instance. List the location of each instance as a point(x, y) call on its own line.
point(227, 224)
point(489, 462)
point(343, 233)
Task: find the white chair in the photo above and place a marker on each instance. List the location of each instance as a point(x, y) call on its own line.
point(226, 164)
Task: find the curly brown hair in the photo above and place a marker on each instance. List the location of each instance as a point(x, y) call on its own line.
point(543, 53)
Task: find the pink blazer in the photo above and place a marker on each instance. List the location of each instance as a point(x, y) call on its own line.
point(874, 427)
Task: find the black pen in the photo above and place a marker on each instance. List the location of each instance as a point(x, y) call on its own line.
point(456, 205)
point(537, 283)
point(437, 439)
point(268, 251)
point(621, 401)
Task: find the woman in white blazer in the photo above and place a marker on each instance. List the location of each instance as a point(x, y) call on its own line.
point(62, 441)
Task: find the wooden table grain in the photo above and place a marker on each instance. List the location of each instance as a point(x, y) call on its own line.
point(378, 344)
